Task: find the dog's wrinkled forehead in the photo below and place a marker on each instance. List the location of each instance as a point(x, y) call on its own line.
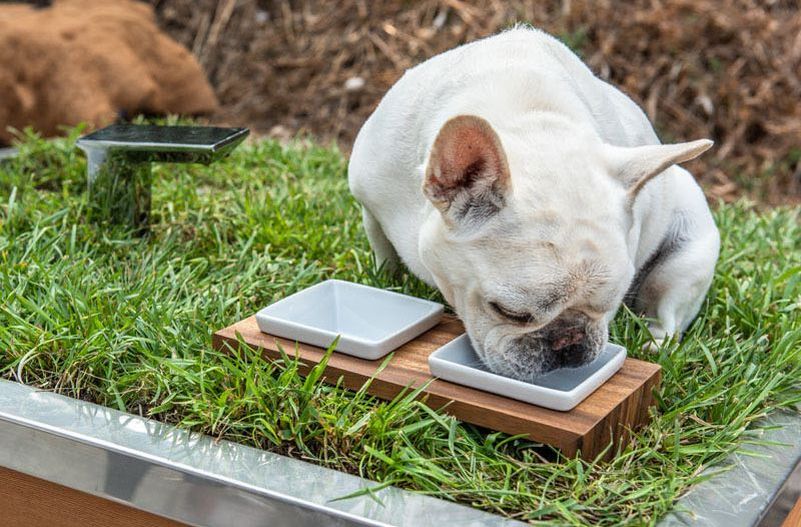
point(548, 230)
point(542, 296)
point(538, 268)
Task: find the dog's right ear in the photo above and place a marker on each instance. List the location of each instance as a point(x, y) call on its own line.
point(637, 165)
point(467, 176)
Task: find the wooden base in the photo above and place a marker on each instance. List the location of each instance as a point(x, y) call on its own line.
point(26, 501)
point(794, 518)
point(607, 415)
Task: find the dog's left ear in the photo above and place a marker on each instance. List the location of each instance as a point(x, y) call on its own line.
point(635, 166)
point(467, 175)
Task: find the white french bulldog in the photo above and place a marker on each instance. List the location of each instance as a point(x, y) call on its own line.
point(537, 198)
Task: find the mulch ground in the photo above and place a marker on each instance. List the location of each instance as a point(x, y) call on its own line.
point(725, 69)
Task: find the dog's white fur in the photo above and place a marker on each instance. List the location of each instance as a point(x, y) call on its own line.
point(558, 218)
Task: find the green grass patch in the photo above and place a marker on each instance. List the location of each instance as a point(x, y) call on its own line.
point(94, 314)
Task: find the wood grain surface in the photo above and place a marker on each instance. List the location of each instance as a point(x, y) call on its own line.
point(794, 518)
point(26, 501)
point(607, 415)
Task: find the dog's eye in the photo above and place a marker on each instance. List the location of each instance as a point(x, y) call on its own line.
point(514, 316)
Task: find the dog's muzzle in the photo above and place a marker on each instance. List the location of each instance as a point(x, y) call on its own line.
point(569, 341)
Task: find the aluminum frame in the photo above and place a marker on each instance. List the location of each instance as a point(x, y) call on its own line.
point(741, 491)
point(192, 478)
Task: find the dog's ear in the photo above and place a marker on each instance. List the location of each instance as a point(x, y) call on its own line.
point(635, 166)
point(467, 176)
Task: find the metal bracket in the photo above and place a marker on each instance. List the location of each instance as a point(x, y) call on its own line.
point(119, 158)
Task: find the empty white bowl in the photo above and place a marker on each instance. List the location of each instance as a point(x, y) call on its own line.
point(560, 389)
point(370, 322)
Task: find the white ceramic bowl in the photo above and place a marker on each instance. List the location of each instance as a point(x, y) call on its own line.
point(370, 322)
point(560, 389)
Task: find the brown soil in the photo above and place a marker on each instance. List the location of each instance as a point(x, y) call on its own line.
point(88, 61)
point(725, 69)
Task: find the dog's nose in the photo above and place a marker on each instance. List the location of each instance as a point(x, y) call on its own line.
point(570, 337)
point(564, 332)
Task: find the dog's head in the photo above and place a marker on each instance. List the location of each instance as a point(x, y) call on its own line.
point(531, 243)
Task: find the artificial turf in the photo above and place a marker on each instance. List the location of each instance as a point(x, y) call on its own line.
point(91, 312)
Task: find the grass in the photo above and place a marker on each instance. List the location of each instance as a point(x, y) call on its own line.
point(92, 313)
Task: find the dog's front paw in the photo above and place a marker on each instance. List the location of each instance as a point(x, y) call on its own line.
point(654, 345)
point(658, 338)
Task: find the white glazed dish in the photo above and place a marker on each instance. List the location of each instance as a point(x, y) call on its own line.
point(370, 322)
point(561, 389)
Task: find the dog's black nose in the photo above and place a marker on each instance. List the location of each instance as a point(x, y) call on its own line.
point(565, 331)
point(570, 337)
point(567, 341)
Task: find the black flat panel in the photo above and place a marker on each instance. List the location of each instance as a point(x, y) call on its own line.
point(149, 137)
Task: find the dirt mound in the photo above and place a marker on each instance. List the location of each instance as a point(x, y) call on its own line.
point(725, 69)
point(90, 60)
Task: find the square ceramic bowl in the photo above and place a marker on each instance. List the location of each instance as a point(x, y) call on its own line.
point(370, 322)
point(560, 389)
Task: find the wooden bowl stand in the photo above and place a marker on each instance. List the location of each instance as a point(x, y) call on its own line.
point(606, 416)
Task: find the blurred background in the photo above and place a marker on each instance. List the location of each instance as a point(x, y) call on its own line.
point(725, 69)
